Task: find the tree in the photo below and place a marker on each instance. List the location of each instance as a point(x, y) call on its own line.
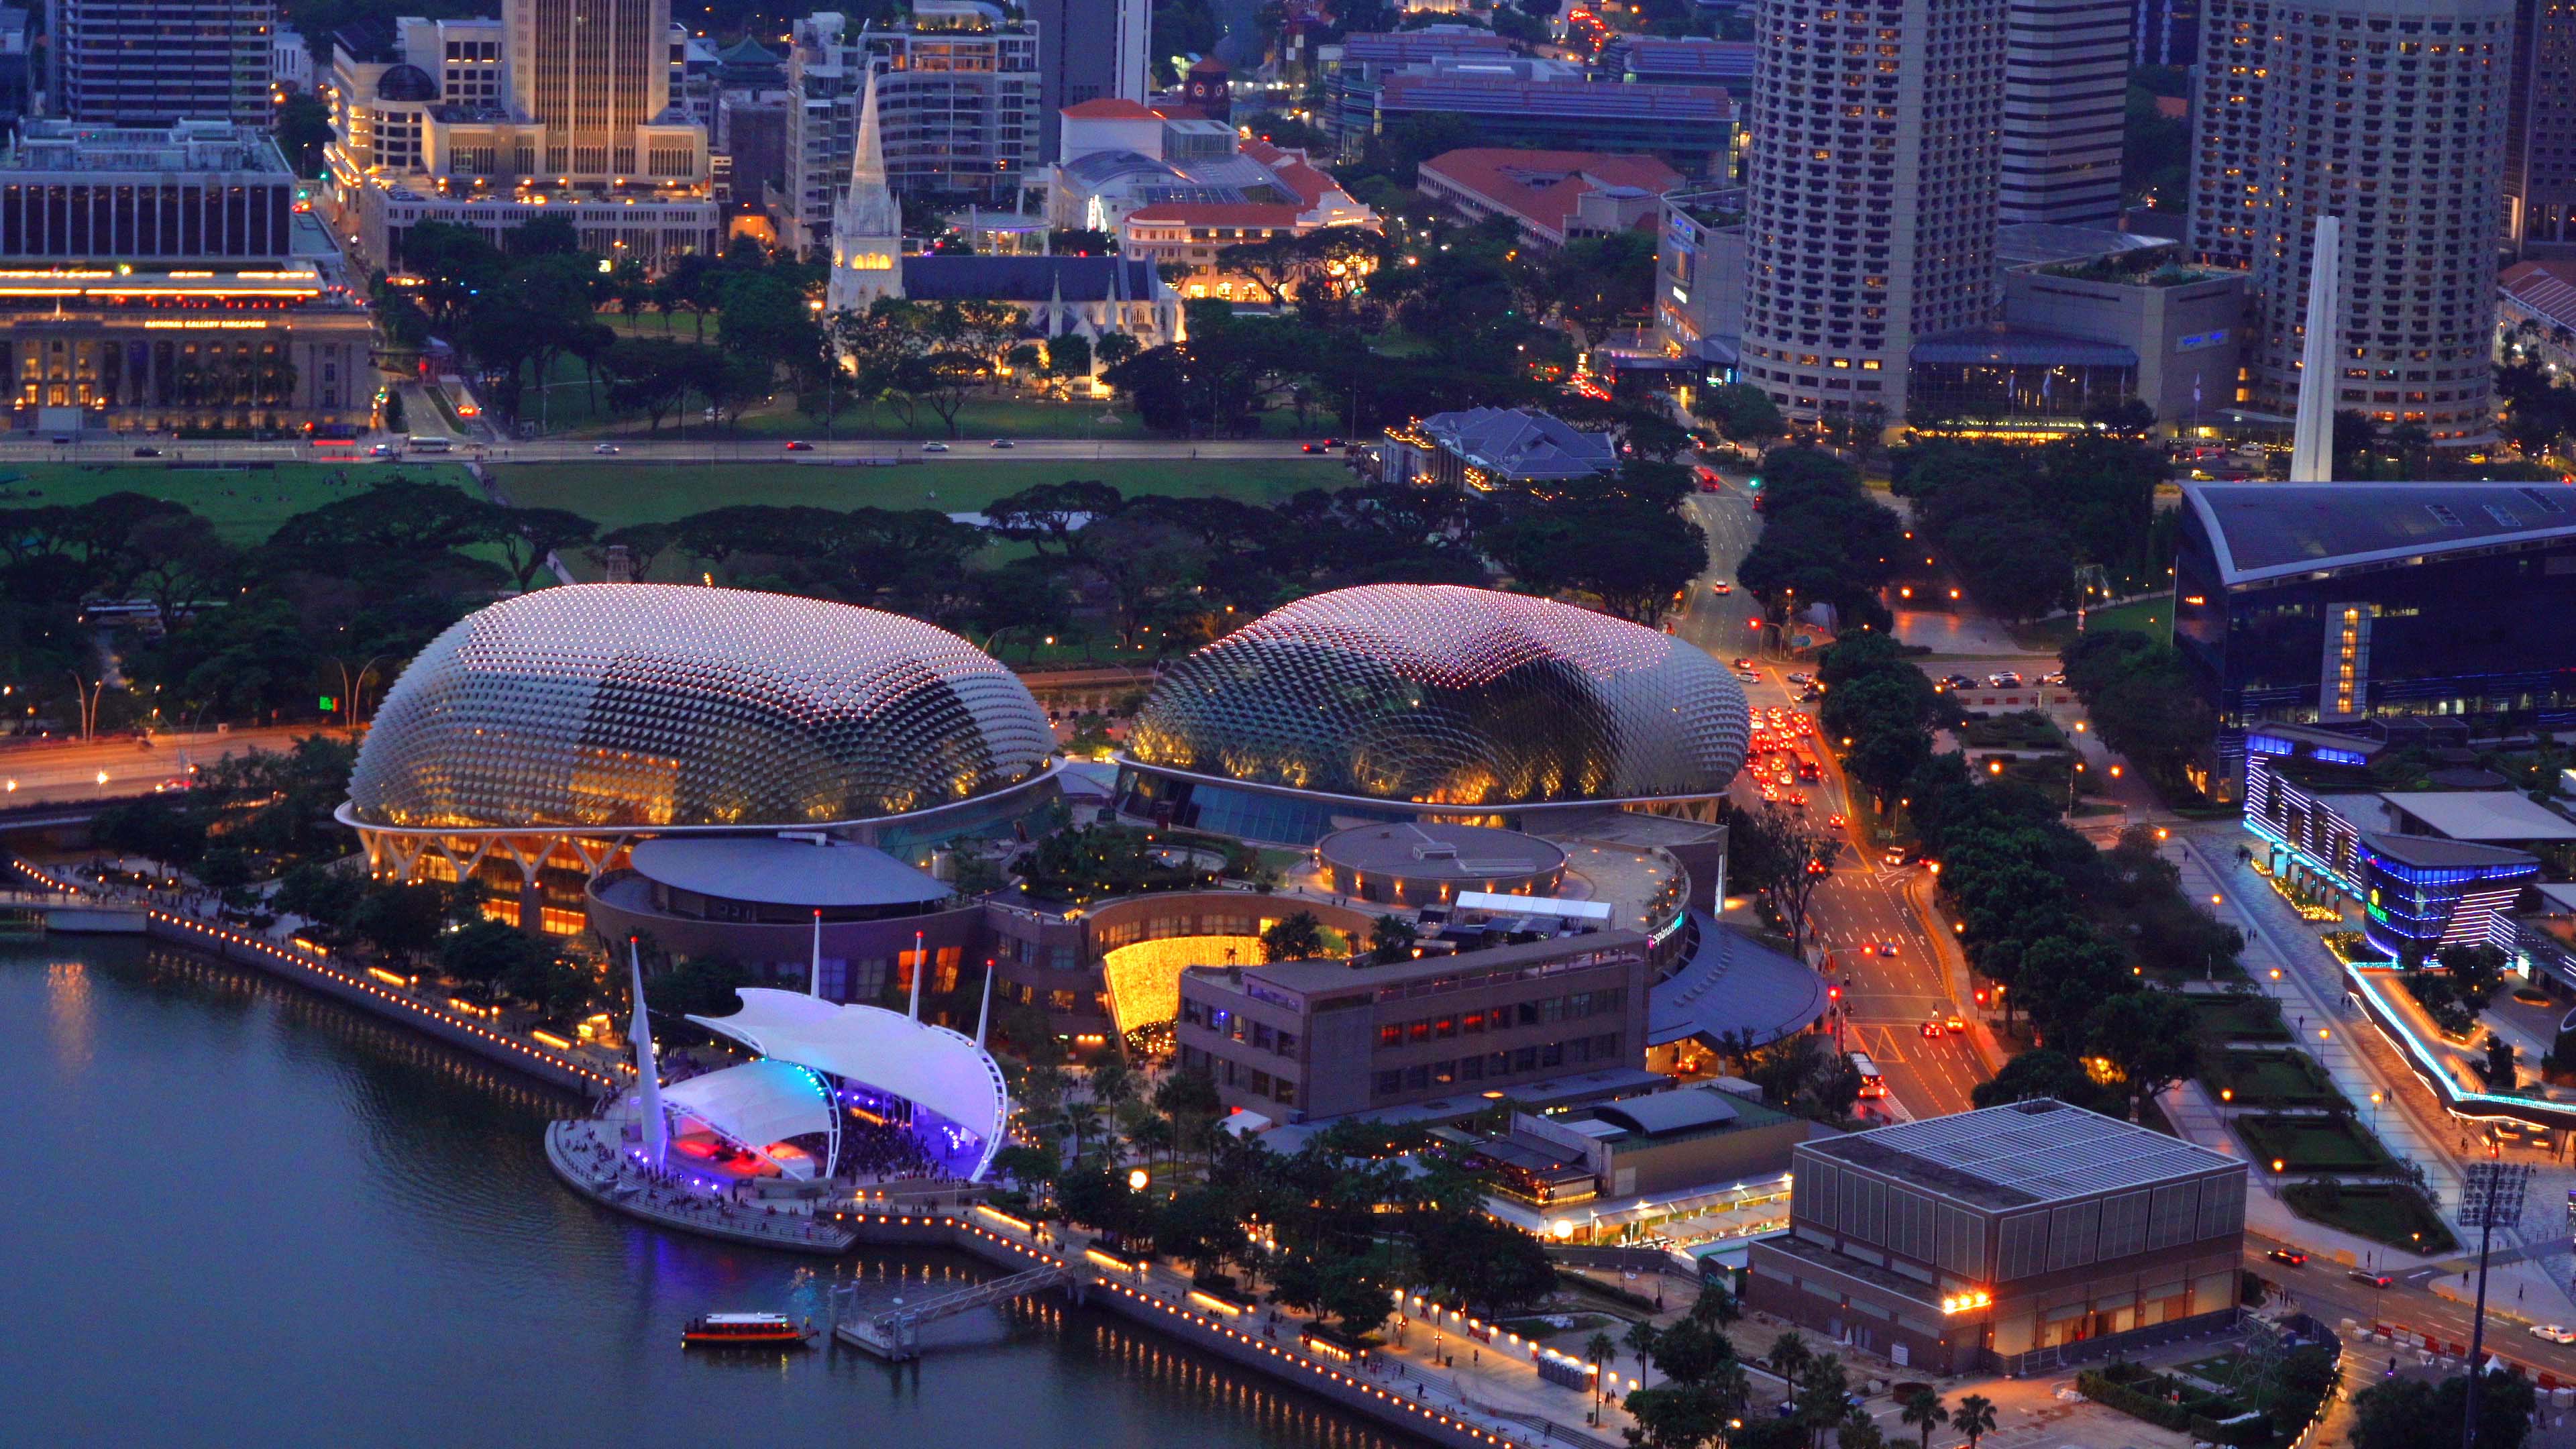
point(1784, 860)
point(1482, 1263)
point(1742, 412)
point(1789, 1355)
point(2409, 1413)
point(530, 536)
point(1924, 1411)
point(2042, 1072)
point(652, 376)
point(1391, 939)
point(2151, 1039)
point(153, 828)
point(401, 921)
point(1974, 1419)
point(1298, 937)
point(1676, 1416)
point(485, 953)
point(1691, 1352)
point(1640, 1340)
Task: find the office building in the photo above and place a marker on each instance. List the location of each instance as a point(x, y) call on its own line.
point(164, 279)
point(1690, 60)
point(2005, 1238)
point(2416, 280)
point(1553, 197)
point(2378, 604)
point(137, 63)
point(1699, 280)
point(1320, 1039)
point(2167, 32)
point(1351, 79)
point(958, 98)
point(2066, 93)
point(488, 124)
point(1552, 106)
point(2540, 133)
point(1085, 54)
point(1870, 196)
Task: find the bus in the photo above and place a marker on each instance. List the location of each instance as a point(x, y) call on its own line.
point(420, 444)
point(1871, 1083)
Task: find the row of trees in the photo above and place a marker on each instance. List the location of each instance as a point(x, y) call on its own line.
point(1824, 541)
point(2144, 703)
point(2067, 931)
point(2015, 524)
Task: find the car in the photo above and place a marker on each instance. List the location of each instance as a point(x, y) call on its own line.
point(2375, 1280)
point(1721, 587)
point(1893, 858)
point(2053, 678)
point(1887, 948)
point(1755, 675)
point(1312, 448)
point(609, 450)
point(147, 452)
point(934, 447)
point(1332, 442)
point(1001, 443)
point(1746, 676)
point(1959, 681)
point(1801, 678)
point(2291, 1256)
point(382, 450)
point(1798, 800)
point(2554, 1332)
point(800, 447)
point(1954, 1022)
point(1931, 1028)
point(1744, 664)
point(1836, 821)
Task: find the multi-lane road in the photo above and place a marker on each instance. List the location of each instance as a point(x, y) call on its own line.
point(1863, 907)
point(822, 453)
point(120, 767)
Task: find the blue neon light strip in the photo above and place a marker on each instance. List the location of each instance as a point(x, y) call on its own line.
point(2484, 1106)
point(2263, 828)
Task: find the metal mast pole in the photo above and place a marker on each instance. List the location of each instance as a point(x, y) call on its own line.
point(2490, 1193)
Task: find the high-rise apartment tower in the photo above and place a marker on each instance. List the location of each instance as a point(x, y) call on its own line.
point(1876, 143)
point(2390, 114)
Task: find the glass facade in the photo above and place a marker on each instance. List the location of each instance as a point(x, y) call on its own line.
point(2480, 634)
point(2419, 900)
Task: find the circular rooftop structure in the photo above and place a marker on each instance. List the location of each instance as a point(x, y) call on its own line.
point(752, 879)
point(406, 83)
point(1420, 863)
point(1435, 695)
point(662, 707)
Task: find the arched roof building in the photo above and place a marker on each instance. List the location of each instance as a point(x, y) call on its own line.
point(1408, 701)
point(553, 729)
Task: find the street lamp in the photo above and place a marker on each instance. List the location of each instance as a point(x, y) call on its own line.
point(1137, 1179)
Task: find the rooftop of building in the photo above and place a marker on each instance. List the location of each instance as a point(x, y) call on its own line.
point(1675, 1116)
point(2025, 243)
point(1407, 45)
point(2428, 852)
point(778, 871)
point(1733, 986)
point(187, 147)
point(1545, 187)
point(2545, 287)
point(1434, 851)
point(1522, 442)
point(2274, 530)
point(1276, 215)
point(2023, 1154)
point(1680, 55)
point(1335, 974)
point(1029, 279)
point(2477, 815)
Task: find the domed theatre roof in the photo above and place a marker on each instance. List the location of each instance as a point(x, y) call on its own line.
point(1444, 695)
point(661, 706)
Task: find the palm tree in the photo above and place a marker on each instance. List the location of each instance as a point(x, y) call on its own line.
point(1081, 1119)
point(1789, 1356)
point(1715, 1307)
point(1974, 1418)
point(1924, 1412)
point(1599, 1349)
point(1641, 1342)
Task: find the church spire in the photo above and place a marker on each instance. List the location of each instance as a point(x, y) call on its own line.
point(867, 226)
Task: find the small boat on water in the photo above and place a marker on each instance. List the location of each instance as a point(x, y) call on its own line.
point(731, 1330)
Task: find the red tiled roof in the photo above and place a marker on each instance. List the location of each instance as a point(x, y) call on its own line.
point(2548, 288)
point(1110, 108)
point(1293, 172)
point(1542, 187)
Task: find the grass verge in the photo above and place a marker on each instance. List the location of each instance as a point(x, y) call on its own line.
point(246, 503)
point(2391, 1214)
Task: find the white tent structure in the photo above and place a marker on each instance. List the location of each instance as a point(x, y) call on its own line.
point(932, 1067)
point(760, 1103)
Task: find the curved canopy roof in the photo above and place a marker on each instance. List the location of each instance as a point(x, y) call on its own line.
point(930, 1066)
point(756, 1103)
point(1733, 984)
point(1450, 696)
point(785, 872)
point(663, 707)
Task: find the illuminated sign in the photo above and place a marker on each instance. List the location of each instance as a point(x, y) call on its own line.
point(2199, 341)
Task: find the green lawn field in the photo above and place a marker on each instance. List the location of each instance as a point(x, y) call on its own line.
point(246, 504)
point(620, 493)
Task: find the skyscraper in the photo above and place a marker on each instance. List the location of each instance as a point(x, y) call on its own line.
point(590, 72)
point(1085, 54)
point(151, 62)
point(2066, 94)
point(1872, 176)
point(2391, 115)
point(2540, 139)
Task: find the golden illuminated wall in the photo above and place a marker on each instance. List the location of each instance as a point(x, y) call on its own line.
point(1145, 979)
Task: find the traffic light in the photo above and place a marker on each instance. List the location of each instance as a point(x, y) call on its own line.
point(1833, 993)
point(328, 703)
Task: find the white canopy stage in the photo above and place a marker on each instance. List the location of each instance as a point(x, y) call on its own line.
point(932, 1067)
point(758, 1103)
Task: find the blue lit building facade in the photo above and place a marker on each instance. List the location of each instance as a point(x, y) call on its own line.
point(2421, 894)
point(2357, 604)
